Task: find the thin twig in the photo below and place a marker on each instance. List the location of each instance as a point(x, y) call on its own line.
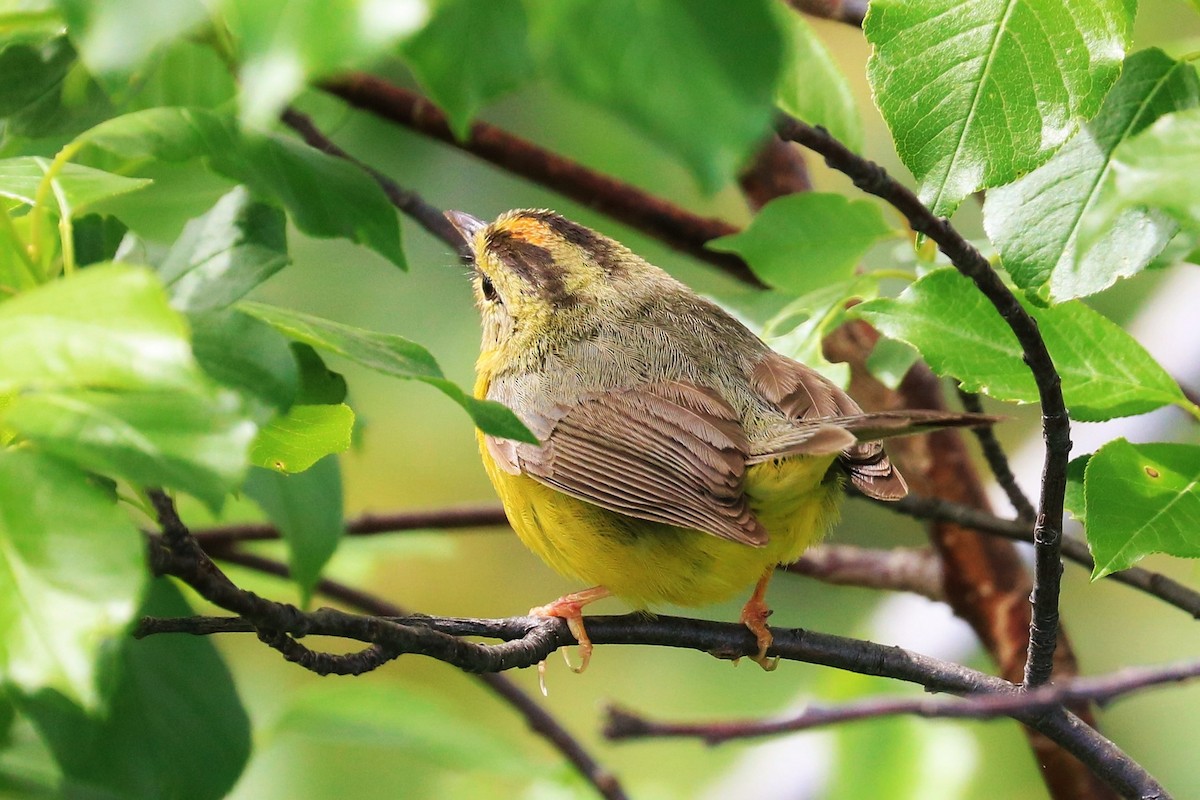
point(1153, 583)
point(1056, 425)
point(998, 461)
point(899, 569)
point(621, 201)
point(625, 724)
point(409, 202)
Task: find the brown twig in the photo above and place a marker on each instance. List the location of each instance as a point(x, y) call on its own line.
point(621, 201)
point(998, 461)
point(899, 569)
point(625, 724)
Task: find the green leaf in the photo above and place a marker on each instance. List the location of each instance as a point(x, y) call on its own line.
point(1141, 499)
point(296, 440)
point(184, 73)
point(1105, 372)
point(247, 354)
point(325, 196)
point(812, 88)
point(799, 329)
point(799, 243)
point(284, 43)
point(31, 71)
point(890, 360)
point(680, 71)
point(190, 441)
point(1075, 501)
point(108, 326)
point(115, 36)
point(1154, 169)
point(174, 727)
point(1035, 221)
point(307, 509)
point(97, 238)
point(470, 53)
point(977, 94)
point(392, 355)
point(319, 385)
point(72, 566)
point(75, 187)
point(226, 253)
point(390, 716)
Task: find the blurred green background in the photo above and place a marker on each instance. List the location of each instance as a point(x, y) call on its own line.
point(418, 451)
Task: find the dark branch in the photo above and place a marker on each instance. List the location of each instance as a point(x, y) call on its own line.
point(539, 720)
point(1056, 425)
point(525, 641)
point(998, 461)
point(624, 724)
point(621, 201)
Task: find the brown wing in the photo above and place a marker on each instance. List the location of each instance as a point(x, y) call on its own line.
point(803, 394)
point(671, 452)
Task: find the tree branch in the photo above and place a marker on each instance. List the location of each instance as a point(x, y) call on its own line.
point(1056, 426)
point(640, 210)
point(625, 724)
point(525, 641)
point(170, 561)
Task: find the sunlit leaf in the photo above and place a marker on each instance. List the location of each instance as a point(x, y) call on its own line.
point(174, 726)
point(1142, 499)
point(115, 36)
point(306, 433)
point(74, 187)
point(73, 569)
point(799, 330)
point(226, 253)
point(1105, 372)
point(184, 440)
point(307, 509)
point(1155, 169)
point(470, 53)
point(1035, 221)
point(978, 93)
point(800, 242)
point(108, 326)
point(284, 43)
point(392, 355)
point(684, 72)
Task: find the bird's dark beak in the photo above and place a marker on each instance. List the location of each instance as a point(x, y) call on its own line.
point(465, 224)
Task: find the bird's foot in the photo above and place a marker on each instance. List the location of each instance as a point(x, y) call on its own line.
point(754, 617)
point(570, 608)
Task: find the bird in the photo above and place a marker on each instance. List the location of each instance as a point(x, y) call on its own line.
point(679, 458)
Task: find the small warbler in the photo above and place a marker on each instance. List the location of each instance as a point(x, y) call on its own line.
point(680, 458)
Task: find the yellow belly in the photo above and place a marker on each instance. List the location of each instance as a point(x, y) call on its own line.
point(649, 563)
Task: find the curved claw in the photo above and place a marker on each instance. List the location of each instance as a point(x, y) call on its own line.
point(754, 617)
point(570, 608)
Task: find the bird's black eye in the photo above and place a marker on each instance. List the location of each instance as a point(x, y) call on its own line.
point(489, 291)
